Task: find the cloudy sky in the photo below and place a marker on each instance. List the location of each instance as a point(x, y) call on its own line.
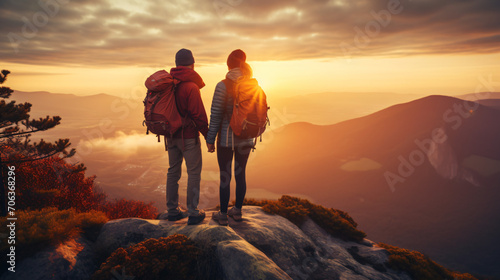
point(295, 46)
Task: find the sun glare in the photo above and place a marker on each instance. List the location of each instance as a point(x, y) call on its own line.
point(263, 82)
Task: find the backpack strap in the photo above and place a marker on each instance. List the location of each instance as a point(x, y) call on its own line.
point(177, 82)
point(229, 91)
point(229, 85)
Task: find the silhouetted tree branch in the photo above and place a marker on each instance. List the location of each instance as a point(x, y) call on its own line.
point(16, 128)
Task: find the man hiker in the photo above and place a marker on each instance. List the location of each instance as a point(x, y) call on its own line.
point(185, 143)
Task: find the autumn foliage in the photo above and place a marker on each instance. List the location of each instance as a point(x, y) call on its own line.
point(173, 257)
point(52, 182)
point(55, 183)
point(123, 208)
point(36, 229)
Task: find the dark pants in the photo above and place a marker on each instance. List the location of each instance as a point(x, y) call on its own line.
point(225, 158)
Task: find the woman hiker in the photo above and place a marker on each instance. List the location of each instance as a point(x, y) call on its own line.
point(229, 146)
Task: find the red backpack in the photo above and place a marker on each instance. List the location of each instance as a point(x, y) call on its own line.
point(249, 119)
point(161, 114)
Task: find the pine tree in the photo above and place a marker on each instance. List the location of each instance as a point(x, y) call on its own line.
point(16, 128)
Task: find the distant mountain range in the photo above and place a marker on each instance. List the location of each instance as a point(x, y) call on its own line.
point(422, 175)
point(110, 139)
point(88, 112)
point(318, 108)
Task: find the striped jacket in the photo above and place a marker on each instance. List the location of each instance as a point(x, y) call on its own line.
point(220, 115)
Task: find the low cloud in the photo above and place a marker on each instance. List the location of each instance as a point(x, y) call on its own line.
point(147, 33)
point(122, 145)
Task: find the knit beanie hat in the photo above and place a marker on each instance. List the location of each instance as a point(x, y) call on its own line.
point(184, 57)
point(235, 58)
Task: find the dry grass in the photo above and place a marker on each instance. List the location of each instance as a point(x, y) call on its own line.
point(38, 228)
point(297, 210)
point(419, 266)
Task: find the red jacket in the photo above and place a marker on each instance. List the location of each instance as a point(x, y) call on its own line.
point(189, 103)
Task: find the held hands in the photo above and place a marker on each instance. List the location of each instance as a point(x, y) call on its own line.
point(211, 148)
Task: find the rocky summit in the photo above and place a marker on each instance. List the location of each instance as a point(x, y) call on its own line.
point(262, 246)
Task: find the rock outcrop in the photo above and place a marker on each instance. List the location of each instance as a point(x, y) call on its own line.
point(73, 259)
point(262, 246)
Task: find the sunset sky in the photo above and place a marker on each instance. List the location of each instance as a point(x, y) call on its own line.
point(295, 47)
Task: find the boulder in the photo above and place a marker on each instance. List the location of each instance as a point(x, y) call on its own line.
point(262, 246)
point(237, 258)
point(240, 260)
point(72, 259)
point(351, 260)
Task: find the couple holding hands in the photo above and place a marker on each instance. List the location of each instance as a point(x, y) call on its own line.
point(185, 143)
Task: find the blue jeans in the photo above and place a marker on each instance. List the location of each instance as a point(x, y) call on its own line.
point(192, 154)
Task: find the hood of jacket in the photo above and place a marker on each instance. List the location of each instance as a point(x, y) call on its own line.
point(234, 74)
point(186, 74)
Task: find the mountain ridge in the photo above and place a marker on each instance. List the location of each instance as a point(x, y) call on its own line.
point(397, 138)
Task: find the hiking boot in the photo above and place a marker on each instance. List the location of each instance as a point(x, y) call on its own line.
point(221, 218)
point(193, 220)
point(162, 216)
point(179, 216)
point(235, 213)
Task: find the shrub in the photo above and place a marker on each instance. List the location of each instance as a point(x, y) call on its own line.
point(172, 257)
point(419, 266)
point(52, 182)
point(335, 222)
point(288, 207)
point(255, 202)
point(124, 208)
point(39, 228)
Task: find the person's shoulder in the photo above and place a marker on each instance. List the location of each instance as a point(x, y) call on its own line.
point(221, 86)
point(188, 86)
